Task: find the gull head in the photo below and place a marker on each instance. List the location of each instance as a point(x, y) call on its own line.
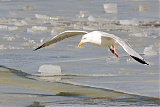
point(85, 39)
point(92, 37)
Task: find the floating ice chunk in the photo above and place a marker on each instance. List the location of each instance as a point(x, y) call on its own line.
point(49, 69)
point(83, 14)
point(91, 18)
point(149, 51)
point(45, 17)
point(40, 16)
point(129, 22)
point(125, 22)
point(2, 47)
point(36, 29)
point(39, 28)
point(20, 23)
point(110, 8)
point(3, 27)
point(12, 28)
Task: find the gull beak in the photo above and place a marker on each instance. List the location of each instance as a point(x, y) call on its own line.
point(80, 43)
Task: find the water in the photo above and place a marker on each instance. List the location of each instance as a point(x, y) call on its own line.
point(88, 76)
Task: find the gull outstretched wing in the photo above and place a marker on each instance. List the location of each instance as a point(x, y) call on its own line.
point(125, 46)
point(61, 36)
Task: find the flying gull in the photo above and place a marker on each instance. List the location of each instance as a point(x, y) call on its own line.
point(97, 38)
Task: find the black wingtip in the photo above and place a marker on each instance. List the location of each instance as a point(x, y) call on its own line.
point(139, 60)
point(36, 48)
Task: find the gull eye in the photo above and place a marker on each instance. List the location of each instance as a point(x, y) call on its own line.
point(84, 38)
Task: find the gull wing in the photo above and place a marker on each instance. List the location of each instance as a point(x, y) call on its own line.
point(126, 47)
point(61, 36)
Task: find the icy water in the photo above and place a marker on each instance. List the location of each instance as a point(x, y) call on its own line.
point(64, 75)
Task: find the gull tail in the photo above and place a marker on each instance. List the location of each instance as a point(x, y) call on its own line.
point(142, 61)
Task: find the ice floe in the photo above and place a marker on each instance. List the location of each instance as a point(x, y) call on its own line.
point(45, 17)
point(91, 18)
point(83, 14)
point(39, 28)
point(20, 23)
point(2, 47)
point(3, 27)
point(49, 72)
point(110, 8)
point(12, 28)
point(149, 51)
point(129, 22)
point(48, 69)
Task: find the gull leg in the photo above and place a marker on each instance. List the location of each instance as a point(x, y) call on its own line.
point(112, 49)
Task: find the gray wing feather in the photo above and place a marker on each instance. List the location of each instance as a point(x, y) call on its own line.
point(61, 36)
point(126, 47)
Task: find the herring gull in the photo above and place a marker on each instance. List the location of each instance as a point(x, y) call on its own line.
point(97, 38)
